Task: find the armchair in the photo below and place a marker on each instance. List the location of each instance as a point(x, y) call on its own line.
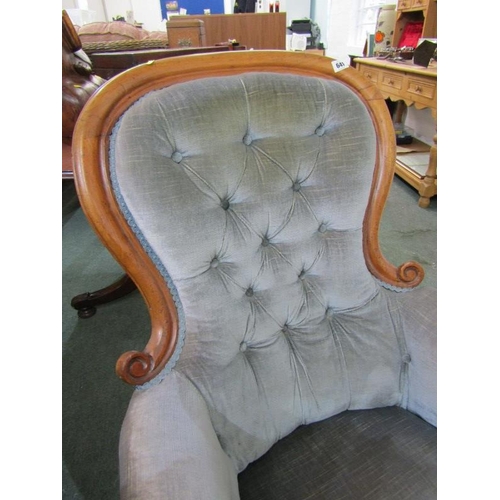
point(242, 192)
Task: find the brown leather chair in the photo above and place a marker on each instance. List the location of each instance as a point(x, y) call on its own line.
point(78, 83)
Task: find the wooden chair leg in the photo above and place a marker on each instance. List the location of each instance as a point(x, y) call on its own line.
point(86, 303)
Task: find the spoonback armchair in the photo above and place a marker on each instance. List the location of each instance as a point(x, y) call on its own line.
point(242, 192)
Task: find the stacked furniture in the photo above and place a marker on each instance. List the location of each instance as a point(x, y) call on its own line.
point(117, 46)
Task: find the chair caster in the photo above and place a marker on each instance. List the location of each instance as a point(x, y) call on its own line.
point(86, 312)
point(86, 303)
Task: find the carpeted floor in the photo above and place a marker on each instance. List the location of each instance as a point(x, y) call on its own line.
point(94, 399)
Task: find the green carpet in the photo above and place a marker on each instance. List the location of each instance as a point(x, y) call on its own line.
point(408, 232)
point(94, 399)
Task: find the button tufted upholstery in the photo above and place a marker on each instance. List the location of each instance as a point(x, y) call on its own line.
point(248, 192)
point(256, 173)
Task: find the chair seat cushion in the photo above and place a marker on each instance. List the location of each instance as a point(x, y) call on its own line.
point(385, 453)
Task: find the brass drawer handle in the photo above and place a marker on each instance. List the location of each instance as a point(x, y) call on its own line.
point(391, 82)
point(418, 88)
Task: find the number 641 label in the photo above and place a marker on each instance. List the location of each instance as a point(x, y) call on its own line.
point(340, 65)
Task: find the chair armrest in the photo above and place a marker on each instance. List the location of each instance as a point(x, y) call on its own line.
point(168, 448)
point(418, 314)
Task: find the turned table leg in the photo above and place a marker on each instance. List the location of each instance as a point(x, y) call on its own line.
point(86, 303)
point(428, 187)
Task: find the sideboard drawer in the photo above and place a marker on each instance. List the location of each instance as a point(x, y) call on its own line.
point(421, 90)
point(391, 81)
point(370, 74)
point(419, 4)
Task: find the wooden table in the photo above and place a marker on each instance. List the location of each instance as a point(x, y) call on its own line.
point(411, 85)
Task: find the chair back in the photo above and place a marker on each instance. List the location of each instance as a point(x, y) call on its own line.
point(242, 192)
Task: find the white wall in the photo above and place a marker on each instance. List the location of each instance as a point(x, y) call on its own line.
point(321, 15)
point(84, 10)
point(421, 124)
point(296, 9)
point(336, 19)
point(118, 8)
point(148, 12)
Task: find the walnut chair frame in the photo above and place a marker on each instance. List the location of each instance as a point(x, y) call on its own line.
point(242, 193)
point(92, 177)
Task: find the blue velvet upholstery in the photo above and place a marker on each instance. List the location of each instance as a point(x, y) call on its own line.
point(380, 454)
point(249, 193)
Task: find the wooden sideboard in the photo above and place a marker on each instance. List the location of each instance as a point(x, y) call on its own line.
point(259, 31)
point(109, 64)
point(413, 86)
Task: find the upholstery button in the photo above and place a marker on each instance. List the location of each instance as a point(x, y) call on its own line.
point(296, 186)
point(322, 228)
point(265, 242)
point(177, 157)
point(249, 292)
point(406, 358)
point(302, 274)
point(285, 329)
point(247, 139)
point(214, 263)
point(224, 204)
point(320, 131)
point(243, 346)
point(329, 313)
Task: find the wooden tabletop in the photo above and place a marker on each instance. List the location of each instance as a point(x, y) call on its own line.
point(407, 66)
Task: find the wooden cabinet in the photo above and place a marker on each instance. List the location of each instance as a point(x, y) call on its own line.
point(186, 33)
point(259, 31)
point(416, 10)
point(414, 86)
